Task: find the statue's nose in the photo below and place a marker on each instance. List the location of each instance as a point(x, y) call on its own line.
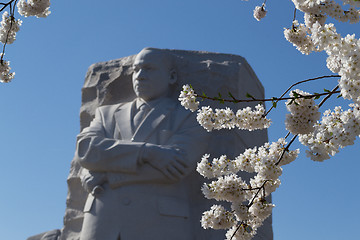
point(141, 75)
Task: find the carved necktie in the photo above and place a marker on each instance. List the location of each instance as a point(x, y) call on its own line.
point(140, 115)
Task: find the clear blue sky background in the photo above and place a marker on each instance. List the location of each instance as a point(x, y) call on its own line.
point(40, 108)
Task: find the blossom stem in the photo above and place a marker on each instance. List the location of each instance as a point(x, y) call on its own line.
point(287, 135)
point(297, 83)
point(234, 100)
point(286, 148)
point(257, 193)
point(251, 203)
point(237, 229)
point(6, 4)
point(294, 15)
point(328, 96)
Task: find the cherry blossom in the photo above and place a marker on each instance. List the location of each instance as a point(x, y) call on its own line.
point(10, 26)
point(259, 12)
point(38, 8)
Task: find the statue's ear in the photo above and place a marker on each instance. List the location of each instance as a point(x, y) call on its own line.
point(173, 76)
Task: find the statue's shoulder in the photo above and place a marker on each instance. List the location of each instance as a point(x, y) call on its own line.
point(181, 110)
point(175, 106)
point(110, 109)
point(182, 115)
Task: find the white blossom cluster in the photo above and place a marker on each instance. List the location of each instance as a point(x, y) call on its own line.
point(248, 205)
point(337, 129)
point(315, 35)
point(5, 74)
point(245, 118)
point(226, 188)
point(344, 58)
point(8, 29)
point(324, 138)
point(323, 8)
point(241, 232)
point(354, 3)
point(10, 26)
point(259, 12)
point(298, 36)
point(218, 167)
point(316, 11)
point(38, 8)
point(187, 98)
point(217, 218)
point(303, 113)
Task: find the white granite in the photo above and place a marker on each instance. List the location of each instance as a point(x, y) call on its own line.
point(166, 204)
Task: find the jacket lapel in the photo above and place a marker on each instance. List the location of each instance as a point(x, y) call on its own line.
point(123, 122)
point(153, 119)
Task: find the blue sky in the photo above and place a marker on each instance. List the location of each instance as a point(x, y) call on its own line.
point(40, 108)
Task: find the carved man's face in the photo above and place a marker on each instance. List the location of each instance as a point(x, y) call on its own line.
point(152, 74)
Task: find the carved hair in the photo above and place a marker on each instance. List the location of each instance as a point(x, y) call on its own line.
point(170, 58)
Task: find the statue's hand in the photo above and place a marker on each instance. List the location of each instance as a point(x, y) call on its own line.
point(92, 181)
point(170, 161)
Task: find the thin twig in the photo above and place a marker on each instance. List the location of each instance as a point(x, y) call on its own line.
point(257, 193)
point(252, 202)
point(263, 100)
point(304, 81)
point(287, 135)
point(234, 100)
point(286, 149)
point(5, 5)
point(236, 231)
point(328, 96)
point(294, 15)
point(13, 10)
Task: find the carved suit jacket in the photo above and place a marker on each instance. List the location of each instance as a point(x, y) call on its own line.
point(111, 146)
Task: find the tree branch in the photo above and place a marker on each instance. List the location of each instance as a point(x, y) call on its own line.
point(304, 81)
point(6, 4)
point(234, 100)
point(12, 19)
point(294, 137)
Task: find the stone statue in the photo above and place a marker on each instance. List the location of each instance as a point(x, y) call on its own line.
point(133, 175)
point(138, 156)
